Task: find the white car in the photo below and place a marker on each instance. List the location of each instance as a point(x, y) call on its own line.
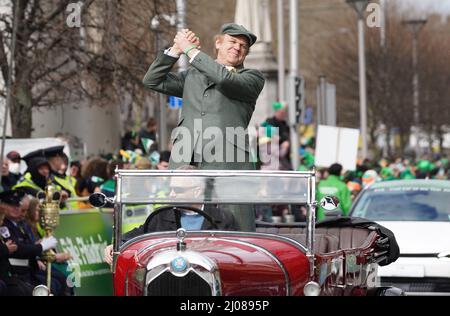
point(418, 213)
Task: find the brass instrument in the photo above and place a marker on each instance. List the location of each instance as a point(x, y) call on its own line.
point(49, 220)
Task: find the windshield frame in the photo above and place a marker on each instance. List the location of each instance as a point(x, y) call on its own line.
point(308, 175)
point(257, 187)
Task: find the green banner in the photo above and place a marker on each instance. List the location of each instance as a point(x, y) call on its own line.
point(85, 234)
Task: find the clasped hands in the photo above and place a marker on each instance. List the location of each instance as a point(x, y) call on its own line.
point(184, 40)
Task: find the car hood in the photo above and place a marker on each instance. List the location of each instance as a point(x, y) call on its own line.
point(420, 237)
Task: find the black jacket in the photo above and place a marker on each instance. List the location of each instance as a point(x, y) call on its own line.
point(166, 221)
point(5, 268)
point(10, 285)
point(26, 248)
point(284, 130)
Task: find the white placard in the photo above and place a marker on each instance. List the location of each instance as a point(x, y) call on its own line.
point(336, 145)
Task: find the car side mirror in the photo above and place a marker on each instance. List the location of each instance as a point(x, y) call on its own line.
point(329, 203)
point(98, 199)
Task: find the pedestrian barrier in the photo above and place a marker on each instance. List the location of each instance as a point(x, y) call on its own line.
point(85, 234)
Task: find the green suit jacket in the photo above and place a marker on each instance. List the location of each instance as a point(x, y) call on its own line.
point(217, 107)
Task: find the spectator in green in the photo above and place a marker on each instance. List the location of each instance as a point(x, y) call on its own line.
point(387, 174)
point(423, 169)
point(407, 174)
point(334, 186)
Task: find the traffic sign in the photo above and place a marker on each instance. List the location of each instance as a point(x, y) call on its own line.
point(175, 103)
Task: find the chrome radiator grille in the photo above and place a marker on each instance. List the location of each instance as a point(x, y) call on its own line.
point(169, 285)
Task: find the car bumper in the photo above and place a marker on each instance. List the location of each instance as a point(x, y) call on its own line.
point(418, 276)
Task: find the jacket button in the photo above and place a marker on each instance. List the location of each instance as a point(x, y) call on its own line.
point(206, 95)
point(203, 113)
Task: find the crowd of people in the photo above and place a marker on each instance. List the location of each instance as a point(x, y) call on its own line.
point(333, 180)
point(23, 241)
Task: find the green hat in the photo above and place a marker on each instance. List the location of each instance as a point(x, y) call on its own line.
point(424, 165)
point(278, 105)
point(236, 29)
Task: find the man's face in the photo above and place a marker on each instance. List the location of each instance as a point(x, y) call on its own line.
point(44, 171)
point(63, 168)
point(56, 163)
point(184, 187)
point(152, 128)
point(232, 50)
point(24, 205)
point(281, 114)
point(74, 170)
point(5, 167)
point(12, 212)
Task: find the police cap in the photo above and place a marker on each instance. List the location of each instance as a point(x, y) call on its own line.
point(44, 153)
point(12, 197)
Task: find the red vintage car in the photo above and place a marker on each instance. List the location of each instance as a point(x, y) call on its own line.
point(338, 257)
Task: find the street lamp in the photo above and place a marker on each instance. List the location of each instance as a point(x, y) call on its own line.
point(360, 7)
point(415, 26)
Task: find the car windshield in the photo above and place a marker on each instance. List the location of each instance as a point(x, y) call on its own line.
point(404, 204)
point(140, 193)
point(238, 188)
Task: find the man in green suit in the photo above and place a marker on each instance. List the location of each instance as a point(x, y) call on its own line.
point(219, 97)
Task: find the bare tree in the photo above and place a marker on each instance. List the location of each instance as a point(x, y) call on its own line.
point(46, 63)
point(434, 77)
point(389, 81)
point(103, 62)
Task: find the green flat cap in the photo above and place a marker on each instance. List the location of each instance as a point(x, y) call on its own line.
point(236, 29)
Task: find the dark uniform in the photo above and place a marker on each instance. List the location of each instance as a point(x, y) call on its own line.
point(23, 262)
point(9, 284)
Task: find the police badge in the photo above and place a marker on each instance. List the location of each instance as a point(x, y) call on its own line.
point(4, 232)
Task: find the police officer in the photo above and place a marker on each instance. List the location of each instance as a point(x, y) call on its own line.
point(9, 285)
point(44, 168)
point(59, 163)
point(36, 177)
point(23, 260)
